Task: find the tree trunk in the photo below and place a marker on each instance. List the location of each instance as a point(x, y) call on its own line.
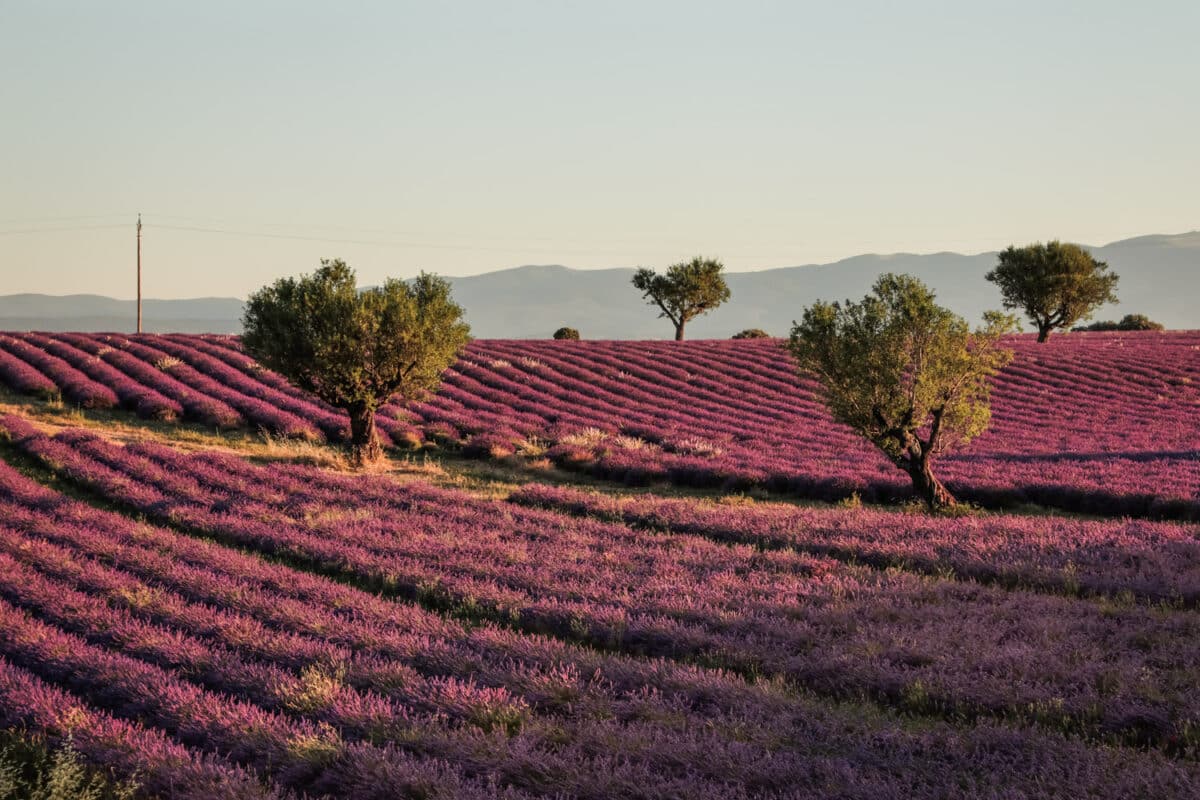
point(928, 487)
point(679, 332)
point(364, 440)
point(1044, 332)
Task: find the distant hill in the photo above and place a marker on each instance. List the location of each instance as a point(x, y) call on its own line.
point(1160, 277)
point(92, 312)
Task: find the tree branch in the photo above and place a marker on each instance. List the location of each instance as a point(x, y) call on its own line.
point(666, 312)
point(935, 429)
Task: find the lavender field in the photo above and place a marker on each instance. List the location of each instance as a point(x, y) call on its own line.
point(1097, 423)
point(219, 623)
point(469, 401)
point(281, 630)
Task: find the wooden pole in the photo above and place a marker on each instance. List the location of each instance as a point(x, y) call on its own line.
point(139, 270)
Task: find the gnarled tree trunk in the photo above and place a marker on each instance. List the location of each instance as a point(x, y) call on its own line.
point(364, 440)
point(927, 486)
point(1044, 332)
point(679, 331)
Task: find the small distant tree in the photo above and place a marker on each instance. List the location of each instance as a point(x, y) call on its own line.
point(904, 372)
point(751, 333)
point(567, 333)
point(356, 349)
point(1129, 322)
point(1055, 284)
point(1138, 322)
point(687, 290)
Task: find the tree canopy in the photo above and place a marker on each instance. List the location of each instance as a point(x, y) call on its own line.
point(1129, 322)
point(567, 333)
point(356, 349)
point(687, 290)
point(904, 372)
point(1055, 284)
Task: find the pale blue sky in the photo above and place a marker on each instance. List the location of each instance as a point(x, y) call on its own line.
point(465, 137)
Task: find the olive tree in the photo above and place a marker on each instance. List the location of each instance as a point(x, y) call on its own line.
point(356, 349)
point(1129, 322)
point(1055, 284)
point(751, 333)
point(904, 372)
point(687, 290)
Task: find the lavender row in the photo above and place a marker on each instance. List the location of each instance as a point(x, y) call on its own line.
point(298, 603)
point(1153, 561)
point(159, 766)
point(251, 380)
point(234, 369)
point(25, 379)
point(773, 722)
point(929, 645)
point(196, 406)
point(255, 395)
point(143, 400)
point(333, 426)
point(626, 764)
point(692, 416)
point(617, 690)
point(937, 762)
point(72, 384)
point(393, 420)
point(257, 413)
point(38, 572)
point(295, 754)
point(712, 413)
point(320, 693)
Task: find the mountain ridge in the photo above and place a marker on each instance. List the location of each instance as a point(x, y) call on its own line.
point(1160, 274)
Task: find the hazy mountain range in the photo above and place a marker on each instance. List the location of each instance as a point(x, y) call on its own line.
point(1160, 277)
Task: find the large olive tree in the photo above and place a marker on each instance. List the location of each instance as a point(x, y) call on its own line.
point(1055, 284)
point(904, 372)
point(687, 290)
point(356, 349)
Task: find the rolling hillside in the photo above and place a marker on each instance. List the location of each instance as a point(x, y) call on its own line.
point(195, 605)
point(1103, 423)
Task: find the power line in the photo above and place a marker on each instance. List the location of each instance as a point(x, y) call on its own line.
point(551, 251)
point(635, 251)
point(381, 231)
point(316, 226)
point(60, 230)
point(335, 240)
point(24, 220)
point(379, 243)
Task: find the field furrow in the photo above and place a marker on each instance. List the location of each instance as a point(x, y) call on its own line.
point(919, 643)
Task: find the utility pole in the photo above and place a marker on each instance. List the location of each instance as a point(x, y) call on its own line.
point(139, 265)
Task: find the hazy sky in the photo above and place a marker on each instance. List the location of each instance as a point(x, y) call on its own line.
point(465, 137)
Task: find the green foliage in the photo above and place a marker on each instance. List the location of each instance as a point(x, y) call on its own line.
point(687, 290)
point(348, 346)
point(853, 501)
point(1054, 284)
point(356, 349)
point(1129, 322)
point(904, 372)
point(567, 333)
point(31, 771)
point(1138, 322)
point(751, 333)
